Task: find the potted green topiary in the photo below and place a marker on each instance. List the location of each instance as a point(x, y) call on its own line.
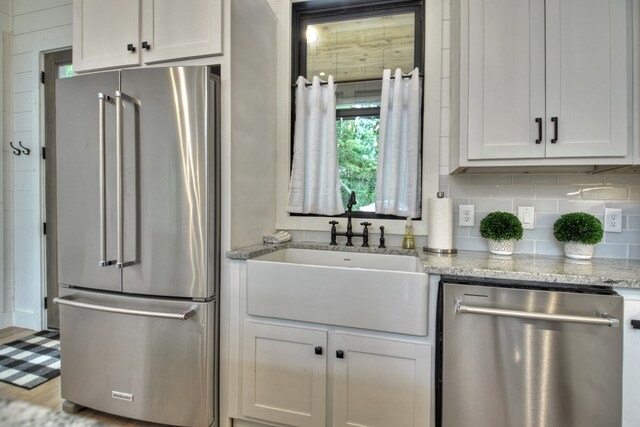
point(579, 231)
point(502, 229)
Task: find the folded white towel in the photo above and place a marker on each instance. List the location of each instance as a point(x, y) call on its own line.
point(278, 237)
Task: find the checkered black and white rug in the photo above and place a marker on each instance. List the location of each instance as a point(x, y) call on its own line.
point(32, 360)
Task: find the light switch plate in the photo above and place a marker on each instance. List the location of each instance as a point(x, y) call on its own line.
point(526, 214)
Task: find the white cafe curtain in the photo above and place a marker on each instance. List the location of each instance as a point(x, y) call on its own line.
point(315, 184)
point(398, 184)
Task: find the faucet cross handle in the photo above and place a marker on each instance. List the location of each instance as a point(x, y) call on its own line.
point(333, 233)
point(365, 234)
point(382, 246)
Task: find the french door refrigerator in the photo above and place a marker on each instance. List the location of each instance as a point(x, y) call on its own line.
point(138, 242)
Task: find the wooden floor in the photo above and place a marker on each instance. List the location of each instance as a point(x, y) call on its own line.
point(48, 394)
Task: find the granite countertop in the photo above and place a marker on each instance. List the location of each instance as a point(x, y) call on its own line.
point(540, 268)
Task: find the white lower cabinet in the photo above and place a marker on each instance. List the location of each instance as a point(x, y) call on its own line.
point(284, 374)
point(380, 382)
point(630, 359)
point(374, 382)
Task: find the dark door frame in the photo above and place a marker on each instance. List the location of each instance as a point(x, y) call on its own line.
point(52, 62)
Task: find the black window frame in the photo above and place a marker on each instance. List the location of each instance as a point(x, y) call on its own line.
point(316, 12)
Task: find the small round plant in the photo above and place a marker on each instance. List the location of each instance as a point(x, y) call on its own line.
point(501, 226)
point(578, 227)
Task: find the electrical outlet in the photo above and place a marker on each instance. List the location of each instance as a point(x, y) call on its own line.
point(613, 220)
point(467, 216)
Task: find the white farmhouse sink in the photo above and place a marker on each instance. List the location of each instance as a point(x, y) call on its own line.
point(370, 291)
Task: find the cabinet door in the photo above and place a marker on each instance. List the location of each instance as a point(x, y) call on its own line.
point(587, 78)
point(181, 29)
point(284, 374)
point(630, 364)
point(380, 382)
point(102, 31)
point(505, 51)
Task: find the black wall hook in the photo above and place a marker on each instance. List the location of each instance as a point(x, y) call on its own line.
point(16, 151)
point(26, 151)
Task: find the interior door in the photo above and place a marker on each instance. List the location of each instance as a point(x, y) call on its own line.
point(80, 228)
point(172, 179)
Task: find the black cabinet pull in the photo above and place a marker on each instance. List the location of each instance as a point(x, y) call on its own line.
point(340, 354)
point(146, 45)
point(539, 122)
point(554, 120)
point(635, 324)
point(318, 350)
point(131, 48)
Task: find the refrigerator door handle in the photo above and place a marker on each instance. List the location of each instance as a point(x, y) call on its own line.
point(162, 315)
point(119, 189)
point(103, 182)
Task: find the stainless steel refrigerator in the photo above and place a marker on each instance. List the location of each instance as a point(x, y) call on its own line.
point(138, 242)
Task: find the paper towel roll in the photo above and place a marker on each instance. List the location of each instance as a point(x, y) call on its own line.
point(440, 225)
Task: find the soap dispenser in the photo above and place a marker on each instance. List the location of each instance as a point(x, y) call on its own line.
point(408, 242)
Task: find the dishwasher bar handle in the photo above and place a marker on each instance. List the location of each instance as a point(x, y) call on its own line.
point(175, 316)
point(602, 321)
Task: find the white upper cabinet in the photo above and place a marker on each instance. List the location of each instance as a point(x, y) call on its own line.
point(181, 29)
point(541, 82)
point(505, 77)
point(105, 34)
point(124, 33)
point(587, 78)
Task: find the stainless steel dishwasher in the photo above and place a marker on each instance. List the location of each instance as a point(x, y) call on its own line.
point(527, 355)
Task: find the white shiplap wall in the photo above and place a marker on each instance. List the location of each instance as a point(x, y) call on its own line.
point(38, 26)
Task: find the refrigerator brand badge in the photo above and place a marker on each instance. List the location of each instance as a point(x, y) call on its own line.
point(122, 396)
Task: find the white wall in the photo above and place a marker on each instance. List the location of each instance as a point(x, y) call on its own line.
point(38, 25)
point(5, 28)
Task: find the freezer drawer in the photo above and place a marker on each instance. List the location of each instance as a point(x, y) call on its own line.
point(150, 368)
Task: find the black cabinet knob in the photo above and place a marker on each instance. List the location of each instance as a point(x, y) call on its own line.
point(318, 349)
point(131, 48)
point(146, 45)
point(340, 354)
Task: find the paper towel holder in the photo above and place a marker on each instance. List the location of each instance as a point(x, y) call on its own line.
point(440, 195)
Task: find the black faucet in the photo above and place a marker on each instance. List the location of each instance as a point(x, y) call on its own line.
point(349, 234)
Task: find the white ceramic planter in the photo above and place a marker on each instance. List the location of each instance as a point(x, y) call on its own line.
point(501, 247)
point(577, 250)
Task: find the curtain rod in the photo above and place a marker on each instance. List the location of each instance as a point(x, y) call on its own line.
point(374, 79)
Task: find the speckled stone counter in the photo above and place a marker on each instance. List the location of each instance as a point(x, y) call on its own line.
point(540, 268)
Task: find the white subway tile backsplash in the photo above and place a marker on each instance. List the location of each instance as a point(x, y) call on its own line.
point(580, 179)
point(634, 251)
point(446, 92)
point(446, 34)
point(548, 247)
point(446, 66)
point(492, 179)
point(602, 250)
point(506, 192)
point(512, 191)
point(528, 179)
point(444, 122)
point(557, 192)
point(634, 193)
point(605, 193)
point(633, 222)
point(470, 243)
point(540, 205)
point(592, 207)
point(446, 9)
point(490, 205)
